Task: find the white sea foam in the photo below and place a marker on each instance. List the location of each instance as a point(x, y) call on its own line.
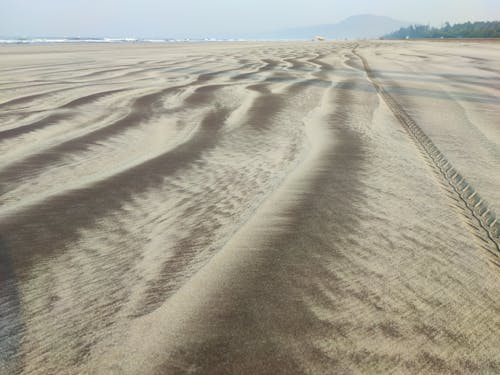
point(107, 40)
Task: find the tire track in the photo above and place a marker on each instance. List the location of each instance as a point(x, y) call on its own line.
point(473, 204)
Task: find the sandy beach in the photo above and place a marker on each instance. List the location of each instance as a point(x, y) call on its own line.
point(250, 208)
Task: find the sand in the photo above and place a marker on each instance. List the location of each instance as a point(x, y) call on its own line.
point(250, 208)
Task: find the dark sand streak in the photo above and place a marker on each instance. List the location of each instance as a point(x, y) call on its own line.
point(255, 322)
point(55, 118)
point(87, 99)
point(37, 125)
point(39, 230)
point(259, 116)
point(143, 109)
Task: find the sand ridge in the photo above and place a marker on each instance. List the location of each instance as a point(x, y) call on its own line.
point(249, 208)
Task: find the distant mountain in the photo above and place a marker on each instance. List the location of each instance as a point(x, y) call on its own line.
point(356, 27)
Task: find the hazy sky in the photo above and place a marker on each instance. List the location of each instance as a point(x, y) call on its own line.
point(206, 18)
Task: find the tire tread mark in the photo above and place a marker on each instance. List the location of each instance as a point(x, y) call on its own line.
point(474, 206)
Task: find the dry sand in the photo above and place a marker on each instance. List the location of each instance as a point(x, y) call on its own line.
point(273, 208)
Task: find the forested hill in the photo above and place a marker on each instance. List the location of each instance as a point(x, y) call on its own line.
point(461, 30)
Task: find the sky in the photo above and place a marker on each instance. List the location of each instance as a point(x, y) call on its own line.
point(217, 18)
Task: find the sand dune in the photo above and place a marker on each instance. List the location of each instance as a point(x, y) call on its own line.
point(250, 208)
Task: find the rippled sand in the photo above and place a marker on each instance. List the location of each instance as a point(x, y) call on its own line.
point(273, 208)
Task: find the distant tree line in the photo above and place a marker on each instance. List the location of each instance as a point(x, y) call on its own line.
point(461, 30)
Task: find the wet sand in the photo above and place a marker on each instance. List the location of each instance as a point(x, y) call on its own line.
point(244, 208)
